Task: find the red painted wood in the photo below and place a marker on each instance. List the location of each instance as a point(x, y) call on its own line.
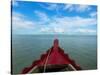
point(57, 57)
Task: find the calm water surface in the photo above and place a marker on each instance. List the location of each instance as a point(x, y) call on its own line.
point(27, 48)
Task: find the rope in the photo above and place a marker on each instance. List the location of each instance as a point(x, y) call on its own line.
point(72, 67)
point(46, 61)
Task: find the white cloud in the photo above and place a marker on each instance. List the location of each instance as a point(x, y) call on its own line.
point(70, 25)
point(93, 14)
point(20, 21)
point(42, 16)
point(69, 7)
point(59, 30)
point(77, 8)
point(86, 30)
point(82, 8)
point(75, 21)
point(54, 25)
point(51, 6)
point(52, 29)
point(45, 29)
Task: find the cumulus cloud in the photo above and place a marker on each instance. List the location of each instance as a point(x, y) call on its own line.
point(42, 16)
point(50, 6)
point(19, 21)
point(69, 21)
point(77, 8)
point(70, 7)
point(76, 21)
point(57, 24)
point(66, 24)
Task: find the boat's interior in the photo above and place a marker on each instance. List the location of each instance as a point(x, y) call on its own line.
point(53, 68)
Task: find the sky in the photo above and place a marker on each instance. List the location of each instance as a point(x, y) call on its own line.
point(53, 18)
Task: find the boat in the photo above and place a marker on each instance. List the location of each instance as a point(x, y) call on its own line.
point(54, 60)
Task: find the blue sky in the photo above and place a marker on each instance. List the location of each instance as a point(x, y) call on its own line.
point(53, 18)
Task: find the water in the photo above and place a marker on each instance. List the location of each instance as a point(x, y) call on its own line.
point(27, 48)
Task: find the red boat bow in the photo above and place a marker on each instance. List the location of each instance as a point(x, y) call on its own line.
point(54, 56)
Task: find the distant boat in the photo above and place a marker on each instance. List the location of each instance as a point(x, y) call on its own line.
point(54, 60)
